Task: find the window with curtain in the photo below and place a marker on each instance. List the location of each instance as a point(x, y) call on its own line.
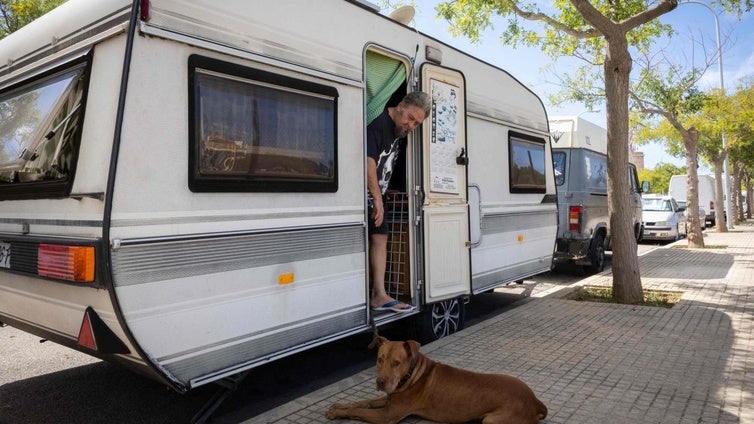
point(258, 131)
point(527, 164)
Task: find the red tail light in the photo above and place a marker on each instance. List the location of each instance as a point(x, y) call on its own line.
point(574, 218)
point(72, 263)
point(711, 205)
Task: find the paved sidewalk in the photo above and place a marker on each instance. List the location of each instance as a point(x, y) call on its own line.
point(607, 363)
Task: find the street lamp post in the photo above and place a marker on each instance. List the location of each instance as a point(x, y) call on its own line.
point(726, 170)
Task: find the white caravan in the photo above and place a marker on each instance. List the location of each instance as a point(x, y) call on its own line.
point(183, 182)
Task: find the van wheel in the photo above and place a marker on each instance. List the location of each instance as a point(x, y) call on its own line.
point(596, 255)
point(441, 319)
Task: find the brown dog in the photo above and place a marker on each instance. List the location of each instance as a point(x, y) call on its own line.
point(417, 385)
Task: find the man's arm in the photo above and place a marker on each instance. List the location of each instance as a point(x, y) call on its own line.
point(373, 186)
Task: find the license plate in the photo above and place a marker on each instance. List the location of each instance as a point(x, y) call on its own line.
point(4, 255)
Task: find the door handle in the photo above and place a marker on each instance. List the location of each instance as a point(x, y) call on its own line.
point(462, 159)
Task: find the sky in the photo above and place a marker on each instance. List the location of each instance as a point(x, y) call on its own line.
point(694, 24)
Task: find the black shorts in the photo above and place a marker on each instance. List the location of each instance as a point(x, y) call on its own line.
point(373, 229)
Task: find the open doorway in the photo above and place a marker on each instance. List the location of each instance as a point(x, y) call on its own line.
point(386, 76)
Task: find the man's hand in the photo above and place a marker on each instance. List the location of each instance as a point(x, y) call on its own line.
point(378, 211)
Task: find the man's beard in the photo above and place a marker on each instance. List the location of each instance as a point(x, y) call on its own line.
point(400, 132)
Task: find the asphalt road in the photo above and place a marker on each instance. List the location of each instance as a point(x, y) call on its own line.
point(44, 382)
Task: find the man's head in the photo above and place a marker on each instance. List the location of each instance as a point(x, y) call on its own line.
point(411, 112)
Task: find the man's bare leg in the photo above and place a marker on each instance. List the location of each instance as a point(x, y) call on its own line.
point(377, 264)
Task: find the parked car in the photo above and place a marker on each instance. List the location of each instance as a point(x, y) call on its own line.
point(664, 219)
point(702, 214)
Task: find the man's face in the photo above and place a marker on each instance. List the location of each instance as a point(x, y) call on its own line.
point(407, 118)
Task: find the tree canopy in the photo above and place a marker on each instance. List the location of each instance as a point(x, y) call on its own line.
point(14, 14)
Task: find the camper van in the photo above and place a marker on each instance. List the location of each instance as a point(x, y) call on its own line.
point(580, 155)
point(677, 189)
point(184, 183)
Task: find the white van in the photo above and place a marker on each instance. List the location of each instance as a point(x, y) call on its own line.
point(184, 184)
point(677, 190)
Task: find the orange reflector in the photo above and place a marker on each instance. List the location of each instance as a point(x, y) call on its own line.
point(86, 335)
point(72, 263)
point(285, 278)
point(520, 238)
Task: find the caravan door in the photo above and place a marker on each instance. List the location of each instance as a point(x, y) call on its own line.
point(445, 211)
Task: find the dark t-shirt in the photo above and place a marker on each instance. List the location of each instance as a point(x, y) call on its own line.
point(383, 146)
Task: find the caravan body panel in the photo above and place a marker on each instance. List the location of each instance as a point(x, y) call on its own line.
point(201, 274)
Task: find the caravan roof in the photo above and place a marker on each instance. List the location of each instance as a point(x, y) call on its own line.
point(574, 132)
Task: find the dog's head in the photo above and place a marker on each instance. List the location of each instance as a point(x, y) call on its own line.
point(396, 362)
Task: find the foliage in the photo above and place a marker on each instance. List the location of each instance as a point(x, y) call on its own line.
point(14, 14)
point(659, 177)
point(601, 34)
point(601, 294)
point(565, 33)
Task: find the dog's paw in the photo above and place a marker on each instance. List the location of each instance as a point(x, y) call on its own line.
point(337, 410)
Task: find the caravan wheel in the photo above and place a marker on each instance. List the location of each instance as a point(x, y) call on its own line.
point(441, 319)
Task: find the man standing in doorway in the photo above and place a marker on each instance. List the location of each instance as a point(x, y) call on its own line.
point(384, 139)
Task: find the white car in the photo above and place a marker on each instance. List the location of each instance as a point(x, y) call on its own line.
point(663, 218)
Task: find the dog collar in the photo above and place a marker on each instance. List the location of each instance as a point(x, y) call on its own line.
point(410, 372)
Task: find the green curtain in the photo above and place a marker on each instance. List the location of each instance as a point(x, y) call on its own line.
point(384, 76)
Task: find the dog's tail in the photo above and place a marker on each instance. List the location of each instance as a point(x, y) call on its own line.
point(541, 409)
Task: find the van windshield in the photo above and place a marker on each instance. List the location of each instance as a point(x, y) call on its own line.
point(37, 123)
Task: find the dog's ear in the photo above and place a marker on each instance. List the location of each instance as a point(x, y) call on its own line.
point(412, 347)
point(377, 342)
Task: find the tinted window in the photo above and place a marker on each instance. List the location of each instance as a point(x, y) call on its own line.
point(39, 131)
point(596, 171)
point(257, 131)
point(527, 164)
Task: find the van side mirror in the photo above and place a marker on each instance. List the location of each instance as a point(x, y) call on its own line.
point(645, 186)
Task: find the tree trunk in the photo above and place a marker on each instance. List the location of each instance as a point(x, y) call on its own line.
point(735, 193)
point(719, 195)
point(749, 195)
point(694, 235)
point(625, 264)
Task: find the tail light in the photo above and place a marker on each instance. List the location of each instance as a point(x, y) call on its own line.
point(72, 263)
point(574, 218)
point(711, 205)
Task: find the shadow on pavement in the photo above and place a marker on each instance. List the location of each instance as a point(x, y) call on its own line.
point(686, 264)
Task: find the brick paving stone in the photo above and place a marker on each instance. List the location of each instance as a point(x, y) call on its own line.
point(606, 363)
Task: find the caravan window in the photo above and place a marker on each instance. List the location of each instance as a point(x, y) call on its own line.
point(257, 131)
point(527, 164)
point(39, 131)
